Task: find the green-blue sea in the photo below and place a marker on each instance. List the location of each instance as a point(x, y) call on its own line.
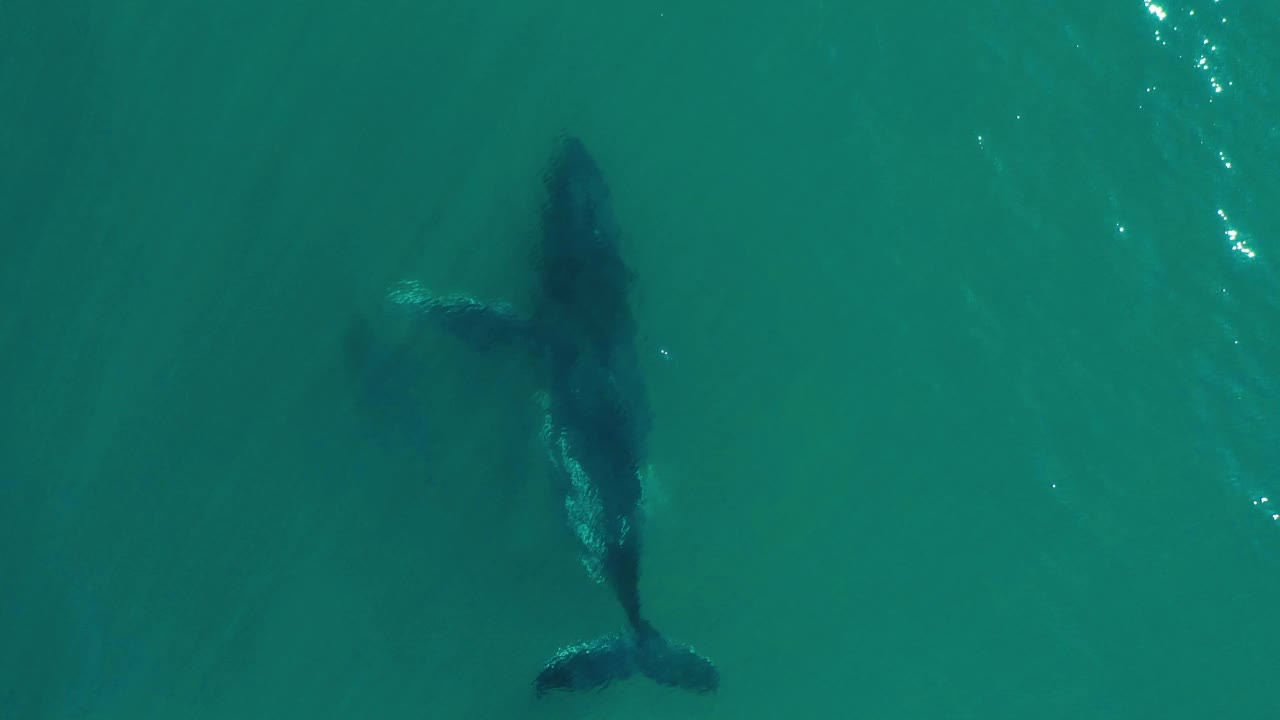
point(960, 322)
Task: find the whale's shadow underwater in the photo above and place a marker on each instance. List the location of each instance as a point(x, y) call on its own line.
point(581, 333)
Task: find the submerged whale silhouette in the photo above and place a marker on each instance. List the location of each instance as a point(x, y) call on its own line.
point(597, 413)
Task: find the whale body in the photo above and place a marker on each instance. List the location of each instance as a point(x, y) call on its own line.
point(597, 417)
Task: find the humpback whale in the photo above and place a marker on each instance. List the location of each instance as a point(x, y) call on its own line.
point(597, 418)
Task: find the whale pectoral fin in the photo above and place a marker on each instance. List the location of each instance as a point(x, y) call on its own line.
point(479, 324)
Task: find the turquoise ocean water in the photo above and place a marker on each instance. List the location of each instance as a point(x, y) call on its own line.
point(959, 320)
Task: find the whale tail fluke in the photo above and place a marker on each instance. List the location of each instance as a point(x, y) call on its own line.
point(596, 664)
